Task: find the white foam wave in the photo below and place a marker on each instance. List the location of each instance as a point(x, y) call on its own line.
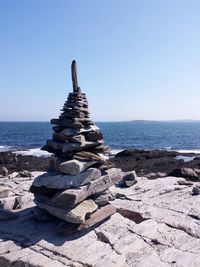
point(4, 148)
point(36, 152)
point(115, 151)
point(195, 151)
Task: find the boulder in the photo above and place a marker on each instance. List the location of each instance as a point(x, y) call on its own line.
point(129, 179)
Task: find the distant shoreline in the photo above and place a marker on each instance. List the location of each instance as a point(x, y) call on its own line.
point(124, 121)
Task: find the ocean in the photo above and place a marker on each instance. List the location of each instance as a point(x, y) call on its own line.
point(180, 136)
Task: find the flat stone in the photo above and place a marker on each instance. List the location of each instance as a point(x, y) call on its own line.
point(98, 216)
point(67, 123)
point(78, 139)
point(54, 144)
point(74, 166)
point(93, 136)
point(70, 147)
point(60, 137)
point(79, 213)
point(70, 132)
point(74, 215)
point(88, 156)
point(59, 181)
point(74, 196)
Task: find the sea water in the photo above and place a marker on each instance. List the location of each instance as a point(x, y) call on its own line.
point(181, 136)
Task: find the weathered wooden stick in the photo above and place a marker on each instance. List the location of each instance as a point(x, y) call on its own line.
point(74, 76)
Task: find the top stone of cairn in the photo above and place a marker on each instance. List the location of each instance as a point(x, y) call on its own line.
point(76, 88)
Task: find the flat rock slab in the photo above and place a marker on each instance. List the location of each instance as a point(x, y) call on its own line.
point(59, 181)
point(76, 215)
point(95, 218)
point(156, 224)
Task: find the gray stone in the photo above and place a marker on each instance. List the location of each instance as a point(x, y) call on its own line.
point(67, 123)
point(78, 139)
point(88, 156)
point(101, 199)
point(25, 174)
point(70, 147)
point(4, 171)
point(74, 215)
point(74, 196)
point(93, 136)
point(66, 181)
point(95, 218)
point(54, 144)
point(129, 179)
point(60, 137)
point(185, 173)
point(196, 190)
point(74, 166)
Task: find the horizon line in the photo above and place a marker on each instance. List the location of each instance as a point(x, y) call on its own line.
point(135, 120)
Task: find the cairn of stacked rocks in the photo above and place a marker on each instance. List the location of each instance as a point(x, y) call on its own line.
point(75, 187)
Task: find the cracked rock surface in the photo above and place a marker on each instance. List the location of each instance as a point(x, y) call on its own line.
point(157, 224)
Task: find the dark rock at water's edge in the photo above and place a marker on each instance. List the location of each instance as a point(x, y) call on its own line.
point(142, 161)
point(153, 161)
point(18, 163)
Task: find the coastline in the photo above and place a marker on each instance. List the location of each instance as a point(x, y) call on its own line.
point(143, 161)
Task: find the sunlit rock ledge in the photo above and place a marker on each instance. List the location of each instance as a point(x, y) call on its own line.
point(156, 224)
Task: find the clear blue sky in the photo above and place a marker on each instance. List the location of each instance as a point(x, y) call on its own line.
point(136, 58)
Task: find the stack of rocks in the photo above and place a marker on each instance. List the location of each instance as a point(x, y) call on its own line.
point(75, 188)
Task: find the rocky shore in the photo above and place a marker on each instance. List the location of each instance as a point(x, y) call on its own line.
point(156, 220)
point(144, 162)
point(156, 224)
